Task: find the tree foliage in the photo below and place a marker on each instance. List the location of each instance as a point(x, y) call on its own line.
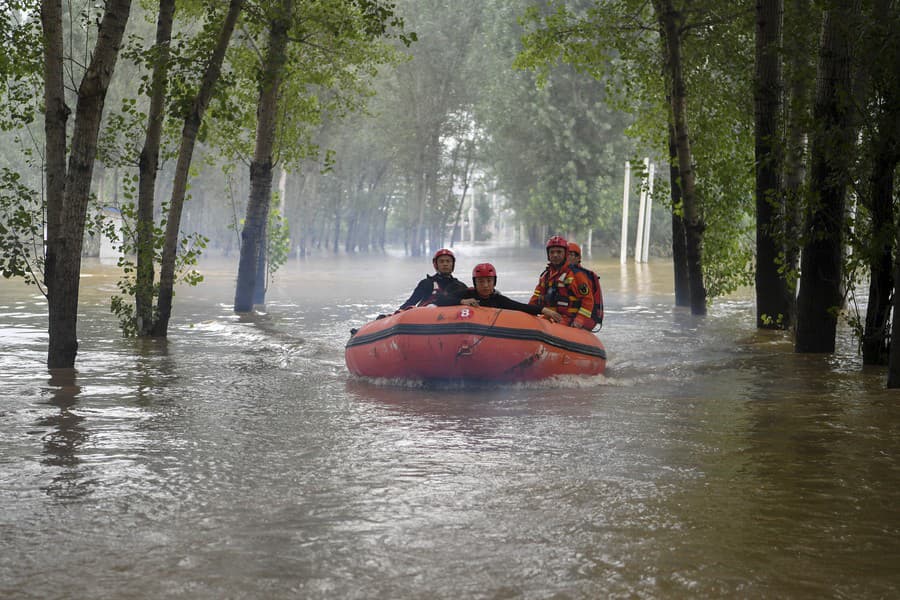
point(618, 43)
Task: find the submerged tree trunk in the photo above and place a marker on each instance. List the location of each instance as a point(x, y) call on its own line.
point(893, 378)
point(56, 115)
point(67, 207)
point(772, 312)
point(670, 29)
point(149, 166)
point(821, 268)
point(679, 251)
point(253, 234)
point(189, 132)
point(885, 154)
point(800, 76)
point(881, 280)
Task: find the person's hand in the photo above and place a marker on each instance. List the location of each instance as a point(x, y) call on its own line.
point(469, 302)
point(554, 316)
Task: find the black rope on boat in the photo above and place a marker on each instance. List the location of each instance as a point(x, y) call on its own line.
point(483, 335)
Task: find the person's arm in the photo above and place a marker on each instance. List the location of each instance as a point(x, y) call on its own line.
point(581, 288)
point(452, 297)
point(422, 291)
point(598, 298)
point(451, 294)
point(507, 303)
point(532, 309)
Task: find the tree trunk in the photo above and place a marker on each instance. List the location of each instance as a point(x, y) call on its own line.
point(467, 177)
point(253, 234)
point(56, 115)
point(885, 153)
point(679, 252)
point(185, 154)
point(67, 218)
point(669, 22)
point(821, 270)
point(881, 281)
point(336, 225)
point(771, 310)
point(795, 154)
point(262, 279)
point(149, 166)
point(893, 378)
point(417, 242)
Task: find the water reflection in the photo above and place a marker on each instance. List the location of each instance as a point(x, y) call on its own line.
point(67, 435)
point(154, 367)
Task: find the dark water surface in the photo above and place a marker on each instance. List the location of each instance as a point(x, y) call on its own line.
point(239, 459)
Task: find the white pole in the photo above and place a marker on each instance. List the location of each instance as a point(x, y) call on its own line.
point(623, 252)
point(639, 243)
point(646, 251)
point(590, 240)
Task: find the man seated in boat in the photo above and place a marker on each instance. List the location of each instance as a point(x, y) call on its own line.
point(597, 291)
point(484, 278)
point(564, 290)
point(438, 286)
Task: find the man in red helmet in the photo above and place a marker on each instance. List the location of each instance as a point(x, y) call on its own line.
point(484, 278)
point(440, 285)
point(563, 289)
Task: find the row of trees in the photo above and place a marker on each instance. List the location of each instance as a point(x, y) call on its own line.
point(775, 119)
point(290, 67)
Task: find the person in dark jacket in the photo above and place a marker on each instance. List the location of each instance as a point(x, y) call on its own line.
point(484, 278)
point(441, 285)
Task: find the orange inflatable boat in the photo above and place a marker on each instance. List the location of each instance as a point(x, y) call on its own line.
point(471, 343)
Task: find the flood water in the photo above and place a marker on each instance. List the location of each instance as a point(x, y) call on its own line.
point(239, 459)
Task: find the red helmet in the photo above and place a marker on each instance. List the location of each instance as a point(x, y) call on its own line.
point(557, 241)
point(573, 247)
point(442, 252)
point(484, 270)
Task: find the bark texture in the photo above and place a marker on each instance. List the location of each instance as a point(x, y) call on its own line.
point(253, 234)
point(670, 23)
point(148, 168)
point(821, 269)
point(884, 146)
point(67, 213)
point(189, 132)
point(679, 251)
point(772, 310)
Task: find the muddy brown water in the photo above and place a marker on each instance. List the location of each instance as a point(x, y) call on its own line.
point(239, 459)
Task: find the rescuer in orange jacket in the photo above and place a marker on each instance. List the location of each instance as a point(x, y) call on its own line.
point(575, 263)
point(563, 289)
point(439, 285)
